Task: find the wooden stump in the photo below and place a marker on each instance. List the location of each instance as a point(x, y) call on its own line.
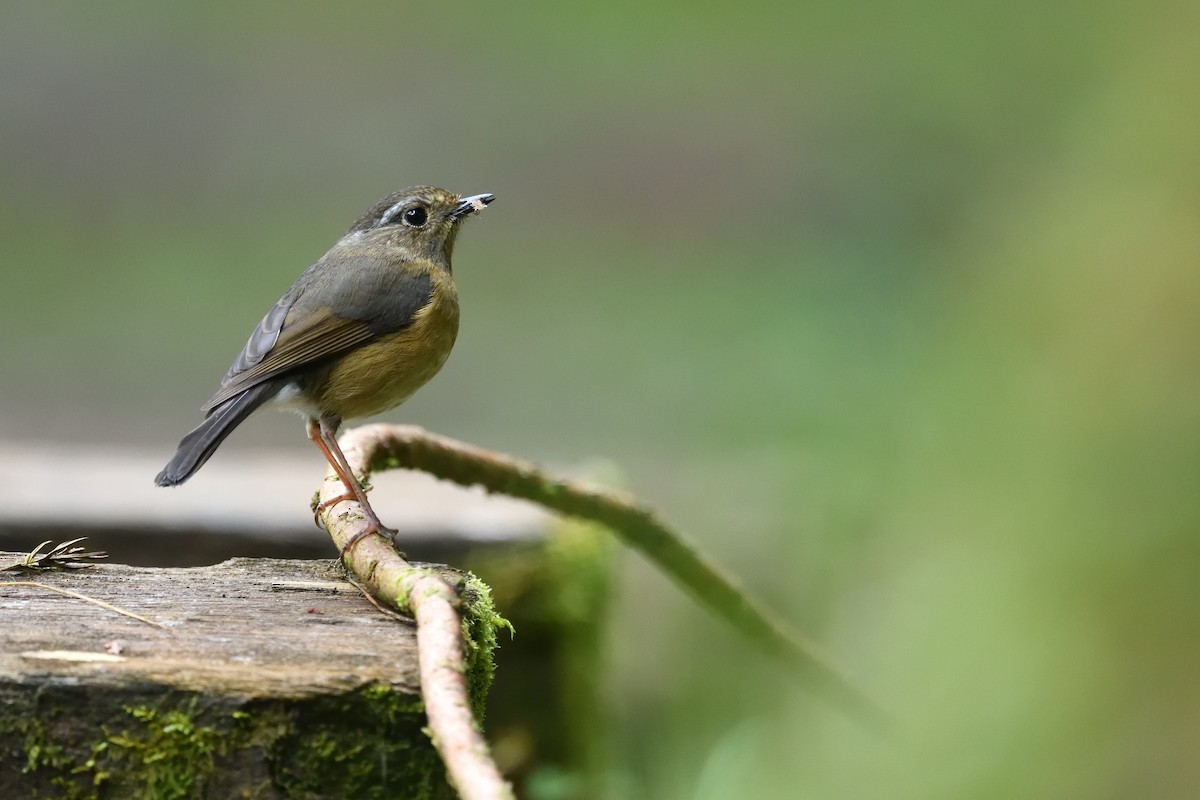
point(269, 679)
point(335, 710)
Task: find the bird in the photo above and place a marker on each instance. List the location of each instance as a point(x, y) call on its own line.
point(361, 330)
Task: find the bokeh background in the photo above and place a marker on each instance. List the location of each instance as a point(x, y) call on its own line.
point(892, 307)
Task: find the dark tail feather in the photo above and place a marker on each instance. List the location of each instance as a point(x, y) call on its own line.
point(201, 443)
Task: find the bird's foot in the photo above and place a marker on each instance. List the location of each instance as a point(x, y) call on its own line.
point(372, 527)
point(333, 501)
point(320, 507)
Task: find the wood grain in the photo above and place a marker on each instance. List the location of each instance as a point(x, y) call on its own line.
point(260, 628)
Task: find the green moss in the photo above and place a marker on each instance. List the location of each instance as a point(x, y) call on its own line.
point(25, 733)
point(163, 755)
point(41, 752)
point(579, 562)
point(160, 753)
point(480, 624)
point(367, 744)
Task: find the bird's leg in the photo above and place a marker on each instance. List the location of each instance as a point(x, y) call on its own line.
point(325, 438)
point(314, 433)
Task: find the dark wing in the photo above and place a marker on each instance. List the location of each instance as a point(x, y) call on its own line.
point(261, 341)
point(330, 310)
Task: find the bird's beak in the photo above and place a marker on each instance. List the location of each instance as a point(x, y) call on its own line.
point(471, 205)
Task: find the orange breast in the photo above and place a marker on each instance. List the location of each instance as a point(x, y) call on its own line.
point(383, 374)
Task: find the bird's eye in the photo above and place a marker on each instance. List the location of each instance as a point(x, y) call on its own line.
point(415, 217)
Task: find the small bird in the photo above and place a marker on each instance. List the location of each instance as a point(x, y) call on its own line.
point(359, 331)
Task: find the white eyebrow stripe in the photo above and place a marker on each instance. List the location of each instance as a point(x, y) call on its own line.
point(392, 212)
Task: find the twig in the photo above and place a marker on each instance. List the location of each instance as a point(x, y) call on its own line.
point(85, 598)
point(440, 655)
point(380, 446)
point(370, 598)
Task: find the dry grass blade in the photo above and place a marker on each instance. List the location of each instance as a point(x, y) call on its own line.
point(61, 556)
point(85, 598)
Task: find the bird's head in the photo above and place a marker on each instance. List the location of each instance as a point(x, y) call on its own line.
point(422, 219)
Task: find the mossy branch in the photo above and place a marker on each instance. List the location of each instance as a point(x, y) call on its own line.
point(380, 446)
point(440, 649)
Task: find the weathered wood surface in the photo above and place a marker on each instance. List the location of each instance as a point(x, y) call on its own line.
point(263, 654)
point(262, 628)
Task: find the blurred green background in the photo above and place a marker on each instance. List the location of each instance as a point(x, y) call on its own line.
point(892, 307)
